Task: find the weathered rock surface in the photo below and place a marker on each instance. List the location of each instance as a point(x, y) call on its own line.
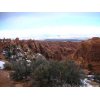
point(51, 50)
point(88, 53)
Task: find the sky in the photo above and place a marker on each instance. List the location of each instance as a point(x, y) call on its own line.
point(43, 25)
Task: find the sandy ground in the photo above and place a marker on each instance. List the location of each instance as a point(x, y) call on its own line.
point(5, 80)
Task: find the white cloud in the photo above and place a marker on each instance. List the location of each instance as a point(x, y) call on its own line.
point(53, 32)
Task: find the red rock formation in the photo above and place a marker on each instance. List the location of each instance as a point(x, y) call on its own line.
point(51, 50)
point(89, 53)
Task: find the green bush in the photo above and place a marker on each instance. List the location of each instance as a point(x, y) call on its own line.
point(21, 70)
point(72, 74)
point(50, 73)
point(56, 73)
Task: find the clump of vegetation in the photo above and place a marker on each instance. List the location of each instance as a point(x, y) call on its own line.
point(50, 73)
point(21, 70)
point(56, 73)
point(73, 74)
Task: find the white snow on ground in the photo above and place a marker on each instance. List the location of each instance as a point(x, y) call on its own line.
point(2, 64)
point(86, 83)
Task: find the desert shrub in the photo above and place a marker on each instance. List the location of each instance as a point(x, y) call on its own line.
point(56, 73)
point(38, 62)
point(21, 70)
point(72, 74)
point(41, 75)
point(48, 73)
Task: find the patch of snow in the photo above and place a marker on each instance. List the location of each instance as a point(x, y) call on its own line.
point(28, 61)
point(90, 77)
point(4, 52)
point(38, 54)
point(86, 83)
point(2, 64)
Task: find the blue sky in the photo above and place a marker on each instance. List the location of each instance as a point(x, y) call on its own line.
point(49, 25)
